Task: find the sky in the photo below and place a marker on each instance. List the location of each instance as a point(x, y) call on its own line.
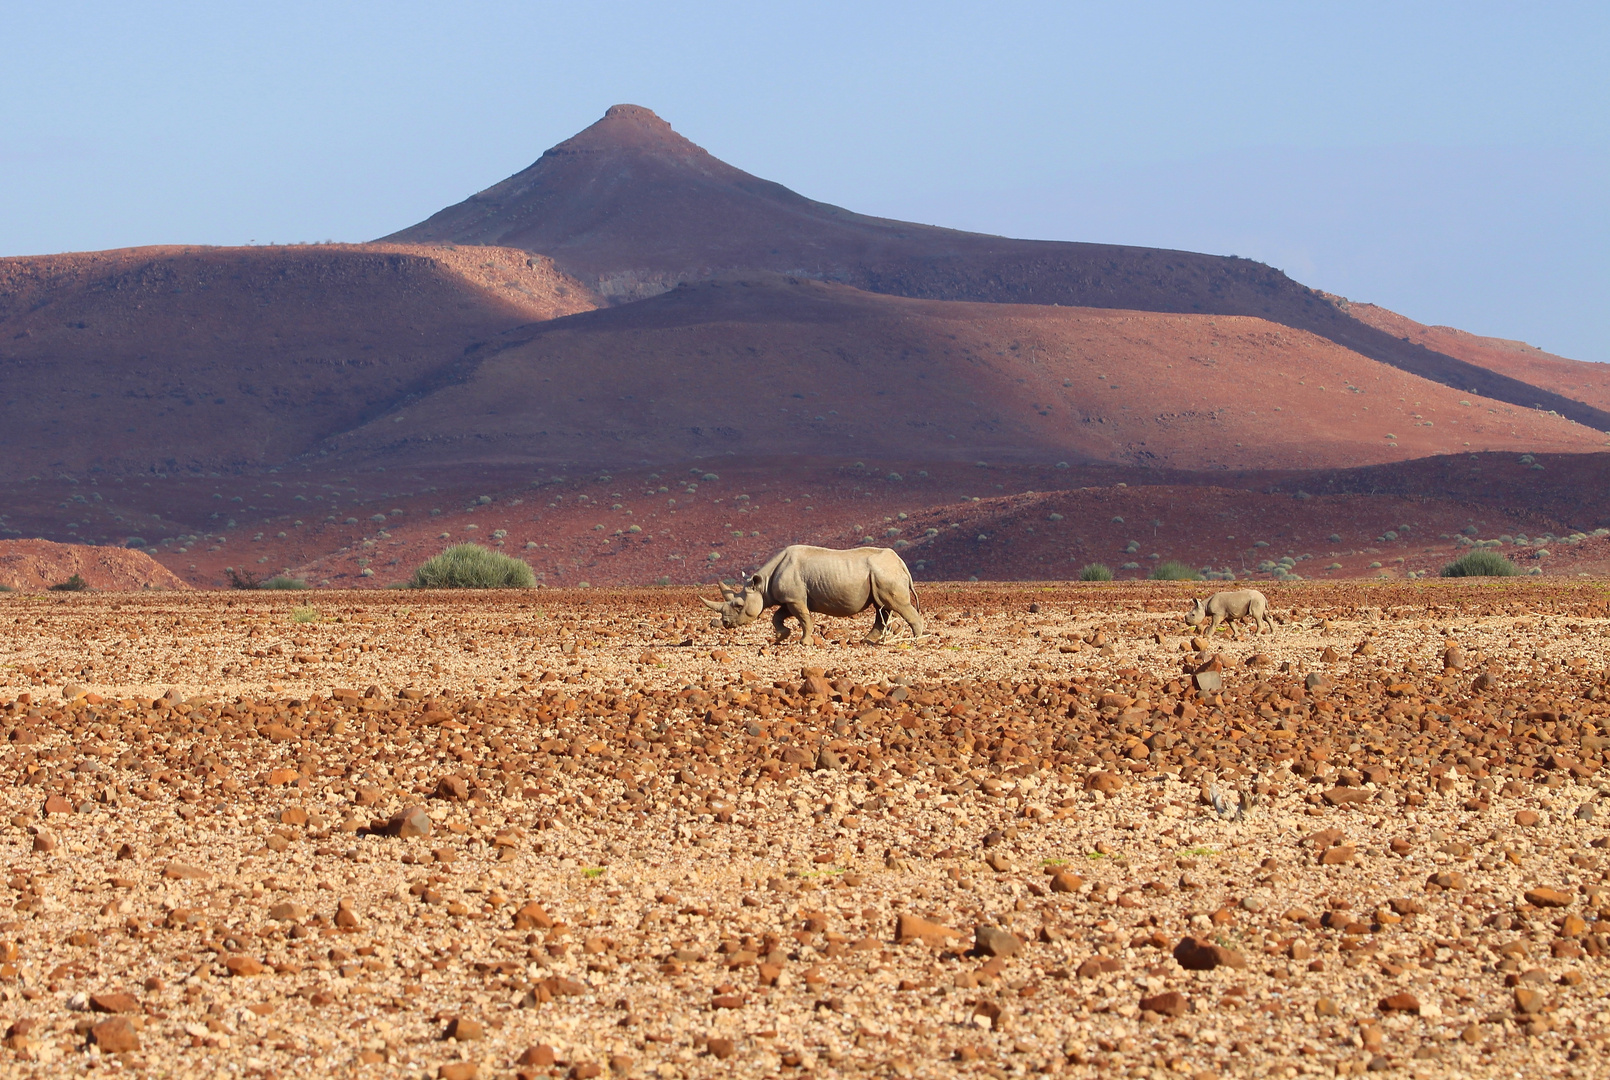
point(1446, 160)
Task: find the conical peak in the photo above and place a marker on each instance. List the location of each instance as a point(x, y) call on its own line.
point(636, 114)
point(629, 127)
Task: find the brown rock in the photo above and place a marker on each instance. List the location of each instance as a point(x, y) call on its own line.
point(1104, 782)
point(1452, 880)
point(1573, 926)
point(293, 815)
point(721, 1048)
point(452, 788)
point(1195, 954)
point(1407, 905)
point(993, 941)
point(345, 917)
point(116, 1035)
point(114, 1003)
point(44, 843)
point(1529, 1001)
point(916, 928)
point(1543, 896)
point(458, 1070)
point(767, 974)
point(244, 967)
point(1404, 1002)
point(538, 1056)
point(286, 911)
point(1340, 855)
point(460, 1029)
point(410, 821)
point(1066, 881)
point(1171, 1003)
point(1527, 818)
point(57, 804)
point(1338, 795)
point(532, 917)
point(178, 871)
point(999, 861)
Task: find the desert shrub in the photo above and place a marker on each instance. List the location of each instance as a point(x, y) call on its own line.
point(1482, 562)
point(280, 581)
point(6, 588)
point(1095, 572)
point(304, 614)
point(136, 542)
point(1174, 570)
point(471, 566)
point(72, 584)
point(241, 579)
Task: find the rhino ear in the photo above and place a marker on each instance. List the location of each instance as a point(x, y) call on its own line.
point(756, 581)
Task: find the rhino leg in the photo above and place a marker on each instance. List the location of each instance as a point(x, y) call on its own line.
point(779, 624)
point(802, 615)
point(880, 626)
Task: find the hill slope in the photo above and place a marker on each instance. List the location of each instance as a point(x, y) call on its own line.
point(156, 359)
point(774, 365)
point(632, 208)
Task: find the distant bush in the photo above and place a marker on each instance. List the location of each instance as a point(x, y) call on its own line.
point(136, 542)
point(280, 581)
point(471, 566)
point(1483, 562)
point(241, 579)
point(1174, 570)
point(1096, 572)
point(304, 614)
point(72, 584)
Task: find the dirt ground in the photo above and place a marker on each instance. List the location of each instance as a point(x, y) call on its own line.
point(1060, 834)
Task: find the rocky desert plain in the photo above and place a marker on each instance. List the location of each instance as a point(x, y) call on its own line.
point(576, 830)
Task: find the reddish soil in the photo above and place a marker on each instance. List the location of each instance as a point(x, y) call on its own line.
point(160, 359)
point(1577, 379)
point(31, 565)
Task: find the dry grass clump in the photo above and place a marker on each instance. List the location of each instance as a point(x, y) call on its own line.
point(471, 566)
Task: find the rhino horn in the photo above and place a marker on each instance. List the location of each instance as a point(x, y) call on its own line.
point(713, 605)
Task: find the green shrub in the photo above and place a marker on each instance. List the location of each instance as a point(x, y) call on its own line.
point(280, 581)
point(72, 584)
point(1174, 570)
point(1096, 572)
point(136, 542)
point(471, 566)
point(1481, 563)
point(304, 614)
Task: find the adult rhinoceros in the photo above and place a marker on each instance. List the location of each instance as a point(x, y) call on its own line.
point(802, 580)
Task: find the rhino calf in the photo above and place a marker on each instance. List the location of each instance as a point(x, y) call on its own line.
point(803, 581)
point(1229, 607)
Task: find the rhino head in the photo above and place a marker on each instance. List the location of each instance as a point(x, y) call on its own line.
point(738, 607)
point(1197, 614)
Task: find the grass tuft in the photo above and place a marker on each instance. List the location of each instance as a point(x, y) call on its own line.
point(283, 582)
point(471, 566)
point(1482, 563)
point(1174, 570)
point(72, 584)
point(1096, 572)
point(304, 614)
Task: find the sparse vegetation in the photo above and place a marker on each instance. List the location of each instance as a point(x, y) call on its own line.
point(1174, 570)
point(1482, 562)
point(281, 581)
point(72, 584)
point(304, 614)
point(471, 566)
point(1095, 572)
point(241, 579)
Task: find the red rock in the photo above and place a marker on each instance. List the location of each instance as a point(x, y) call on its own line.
point(539, 1056)
point(1403, 1002)
point(1104, 782)
point(1171, 1003)
point(57, 804)
point(453, 788)
point(721, 1048)
point(915, 928)
point(1065, 881)
point(409, 822)
point(114, 1003)
point(1543, 896)
point(244, 967)
point(1338, 796)
point(1529, 1001)
point(461, 1029)
point(458, 1070)
point(993, 941)
point(532, 917)
point(117, 1035)
point(1195, 954)
point(1527, 818)
point(1340, 855)
point(178, 871)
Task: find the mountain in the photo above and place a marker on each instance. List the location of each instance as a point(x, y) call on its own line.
point(632, 208)
point(773, 365)
point(176, 359)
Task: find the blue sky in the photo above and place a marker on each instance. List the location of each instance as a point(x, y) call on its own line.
point(1446, 160)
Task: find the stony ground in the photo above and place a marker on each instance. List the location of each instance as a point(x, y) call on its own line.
point(584, 834)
